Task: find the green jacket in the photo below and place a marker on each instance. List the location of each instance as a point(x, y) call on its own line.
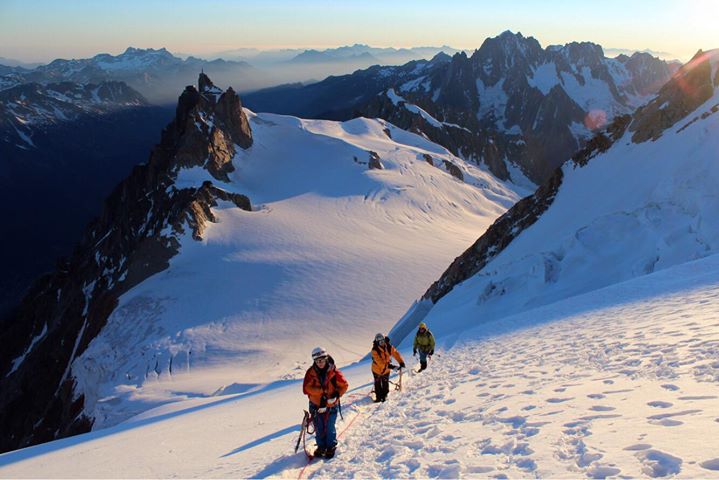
point(424, 342)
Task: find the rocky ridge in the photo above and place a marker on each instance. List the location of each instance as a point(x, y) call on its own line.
point(134, 237)
point(512, 103)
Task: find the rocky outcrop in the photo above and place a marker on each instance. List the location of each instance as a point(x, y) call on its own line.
point(690, 87)
point(375, 163)
point(136, 235)
point(505, 229)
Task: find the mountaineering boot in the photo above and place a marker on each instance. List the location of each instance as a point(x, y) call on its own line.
point(330, 452)
point(320, 452)
point(422, 366)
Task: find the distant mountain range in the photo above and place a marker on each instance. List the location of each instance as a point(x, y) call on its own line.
point(158, 74)
point(380, 56)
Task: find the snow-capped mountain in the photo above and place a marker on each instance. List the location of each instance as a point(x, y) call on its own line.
point(245, 240)
point(511, 105)
point(156, 73)
point(640, 197)
point(27, 110)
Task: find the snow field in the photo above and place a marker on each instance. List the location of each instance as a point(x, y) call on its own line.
point(625, 390)
point(622, 381)
point(332, 253)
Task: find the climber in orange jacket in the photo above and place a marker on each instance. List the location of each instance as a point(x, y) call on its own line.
point(324, 385)
point(382, 351)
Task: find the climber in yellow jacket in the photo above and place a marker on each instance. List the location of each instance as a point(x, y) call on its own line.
point(382, 351)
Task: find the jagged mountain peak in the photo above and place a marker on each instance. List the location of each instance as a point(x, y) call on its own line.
point(142, 51)
point(510, 45)
point(582, 53)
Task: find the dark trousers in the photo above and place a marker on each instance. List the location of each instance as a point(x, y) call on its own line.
point(422, 359)
point(325, 431)
point(381, 386)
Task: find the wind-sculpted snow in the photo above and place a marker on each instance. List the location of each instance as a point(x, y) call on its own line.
point(623, 381)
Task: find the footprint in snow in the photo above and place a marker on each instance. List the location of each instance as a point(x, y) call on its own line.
point(712, 464)
point(660, 404)
point(656, 463)
point(638, 446)
point(596, 396)
point(608, 382)
point(601, 408)
point(601, 471)
point(559, 400)
point(479, 470)
point(704, 397)
point(669, 386)
point(527, 464)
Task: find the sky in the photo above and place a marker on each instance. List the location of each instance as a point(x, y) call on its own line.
point(42, 30)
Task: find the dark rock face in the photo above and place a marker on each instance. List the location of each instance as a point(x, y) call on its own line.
point(375, 162)
point(510, 104)
point(690, 86)
point(500, 234)
point(134, 237)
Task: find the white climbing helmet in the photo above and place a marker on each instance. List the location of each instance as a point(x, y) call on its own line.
point(318, 352)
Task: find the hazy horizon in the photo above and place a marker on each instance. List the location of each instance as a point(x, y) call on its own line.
point(42, 30)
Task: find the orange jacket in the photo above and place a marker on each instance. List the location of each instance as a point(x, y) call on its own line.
point(334, 384)
point(381, 358)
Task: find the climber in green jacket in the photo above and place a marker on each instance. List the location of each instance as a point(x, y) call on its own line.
point(424, 344)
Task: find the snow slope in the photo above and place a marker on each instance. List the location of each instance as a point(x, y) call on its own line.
point(332, 253)
point(632, 210)
point(621, 381)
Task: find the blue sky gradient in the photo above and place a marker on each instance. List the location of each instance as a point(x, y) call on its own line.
point(41, 30)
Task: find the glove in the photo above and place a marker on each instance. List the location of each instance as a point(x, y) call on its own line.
point(391, 367)
point(333, 400)
point(414, 352)
point(323, 401)
point(401, 364)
